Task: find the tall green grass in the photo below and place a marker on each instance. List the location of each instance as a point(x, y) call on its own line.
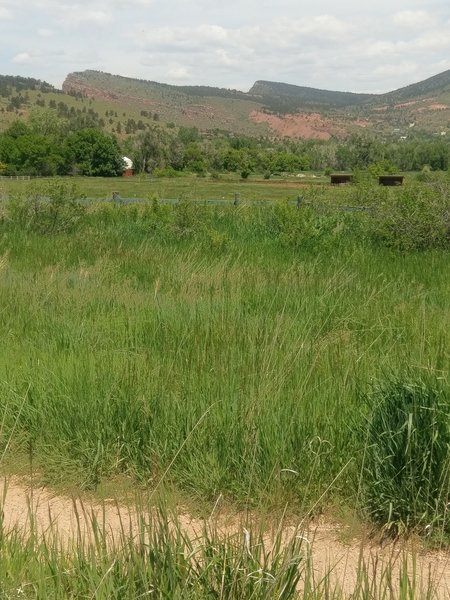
point(407, 464)
point(156, 558)
point(225, 350)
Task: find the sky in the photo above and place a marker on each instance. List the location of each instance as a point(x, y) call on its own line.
point(348, 45)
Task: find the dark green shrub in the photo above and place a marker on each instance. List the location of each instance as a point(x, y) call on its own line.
point(381, 167)
point(166, 172)
point(405, 474)
point(363, 177)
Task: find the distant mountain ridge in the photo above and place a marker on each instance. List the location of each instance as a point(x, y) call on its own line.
point(270, 91)
point(269, 108)
point(276, 108)
point(436, 84)
point(83, 79)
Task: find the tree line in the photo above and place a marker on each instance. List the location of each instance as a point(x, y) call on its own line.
point(55, 143)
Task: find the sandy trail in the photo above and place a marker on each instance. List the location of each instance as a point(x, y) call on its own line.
point(70, 516)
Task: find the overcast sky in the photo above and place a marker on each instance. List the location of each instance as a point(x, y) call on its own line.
point(230, 43)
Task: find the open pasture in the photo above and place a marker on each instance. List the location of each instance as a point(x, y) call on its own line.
point(261, 357)
point(233, 349)
point(203, 188)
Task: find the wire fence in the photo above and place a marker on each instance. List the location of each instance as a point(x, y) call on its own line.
point(298, 201)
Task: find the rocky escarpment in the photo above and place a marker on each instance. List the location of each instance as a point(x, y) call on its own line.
point(74, 84)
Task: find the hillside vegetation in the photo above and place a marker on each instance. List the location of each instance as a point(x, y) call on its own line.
point(206, 108)
point(234, 110)
point(121, 105)
point(296, 97)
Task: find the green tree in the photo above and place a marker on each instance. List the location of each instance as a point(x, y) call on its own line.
point(37, 155)
point(92, 152)
point(30, 154)
point(17, 129)
point(187, 135)
point(46, 122)
point(194, 159)
point(359, 152)
point(148, 150)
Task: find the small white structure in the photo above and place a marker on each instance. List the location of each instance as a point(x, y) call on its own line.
point(127, 166)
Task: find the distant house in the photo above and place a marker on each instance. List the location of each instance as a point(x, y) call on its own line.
point(127, 167)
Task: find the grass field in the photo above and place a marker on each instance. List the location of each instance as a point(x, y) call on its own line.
point(203, 188)
point(271, 356)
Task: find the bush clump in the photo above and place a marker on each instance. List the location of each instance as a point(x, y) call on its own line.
point(414, 218)
point(47, 208)
point(406, 470)
point(306, 227)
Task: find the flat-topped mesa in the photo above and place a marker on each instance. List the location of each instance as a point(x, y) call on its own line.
point(307, 95)
point(436, 84)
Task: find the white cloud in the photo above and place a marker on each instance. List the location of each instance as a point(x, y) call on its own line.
point(178, 72)
point(76, 15)
point(396, 70)
point(223, 57)
point(321, 25)
point(103, 5)
point(23, 58)
point(433, 40)
point(381, 49)
point(322, 44)
point(414, 19)
point(45, 33)
point(181, 38)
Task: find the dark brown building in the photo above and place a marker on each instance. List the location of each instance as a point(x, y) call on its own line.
point(390, 179)
point(341, 178)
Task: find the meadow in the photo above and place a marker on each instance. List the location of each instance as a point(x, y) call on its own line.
point(223, 187)
point(279, 358)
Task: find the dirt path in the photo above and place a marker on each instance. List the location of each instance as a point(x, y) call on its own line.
point(69, 516)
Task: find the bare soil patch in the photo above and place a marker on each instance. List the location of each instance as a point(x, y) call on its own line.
point(434, 106)
point(323, 541)
point(301, 125)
